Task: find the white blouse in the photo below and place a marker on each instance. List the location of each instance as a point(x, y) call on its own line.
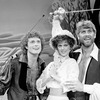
point(66, 70)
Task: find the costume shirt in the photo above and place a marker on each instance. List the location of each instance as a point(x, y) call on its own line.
point(31, 80)
point(66, 69)
point(15, 72)
point(93, 90)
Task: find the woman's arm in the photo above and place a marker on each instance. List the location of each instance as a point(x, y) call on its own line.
point(44, 79)
point(54, 75)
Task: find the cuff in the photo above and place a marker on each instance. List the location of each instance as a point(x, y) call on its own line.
point(88, 89)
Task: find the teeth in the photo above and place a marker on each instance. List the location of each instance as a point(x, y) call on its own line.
point(36, 48)
point(87, 39)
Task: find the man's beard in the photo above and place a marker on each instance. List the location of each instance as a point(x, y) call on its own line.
point(87, 44)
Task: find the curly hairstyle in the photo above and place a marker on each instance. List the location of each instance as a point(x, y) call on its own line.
point(55, 41)
point(24, 41)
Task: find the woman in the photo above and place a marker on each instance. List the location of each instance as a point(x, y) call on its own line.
point(23, 71)
point(63, 68)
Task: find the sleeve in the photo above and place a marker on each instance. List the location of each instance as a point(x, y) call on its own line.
point(93, 90)
point(88, 89)
point(5, 76)
point(71, 73)
point(73, 70)
point(42, 79)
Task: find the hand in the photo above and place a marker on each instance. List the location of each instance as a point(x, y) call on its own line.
point(57, 14)
point(74, 85)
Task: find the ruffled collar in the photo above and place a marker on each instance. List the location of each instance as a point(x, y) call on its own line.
point(58, 59)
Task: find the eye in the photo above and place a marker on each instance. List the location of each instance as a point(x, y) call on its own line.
point(65, 45)
point(38, 41)
point(90, 31)
point(83, 32)
point(32, 41)
point(59, 45)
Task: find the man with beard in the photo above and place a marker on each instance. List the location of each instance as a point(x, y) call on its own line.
point(88, 58)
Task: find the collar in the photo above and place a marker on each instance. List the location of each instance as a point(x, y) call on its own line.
point(23, 59)
point(58, 57)
point(94, 52)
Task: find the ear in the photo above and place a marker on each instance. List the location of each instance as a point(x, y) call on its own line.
point(77, 36)
point(95, 35)
point(26, 47)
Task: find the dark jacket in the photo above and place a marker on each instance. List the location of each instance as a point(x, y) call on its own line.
point(92, 76)
point(16, 72)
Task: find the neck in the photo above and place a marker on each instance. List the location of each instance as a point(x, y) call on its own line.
point(65, 56)
point(86, 50)
point(32, 59)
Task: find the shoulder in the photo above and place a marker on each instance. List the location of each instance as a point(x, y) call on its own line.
point(10, 63)
point(41, 61)
point(72, 60)
point(14, 61)
point(75, 53)
point(51, 64)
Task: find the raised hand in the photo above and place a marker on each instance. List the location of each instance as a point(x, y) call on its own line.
point(58, 14)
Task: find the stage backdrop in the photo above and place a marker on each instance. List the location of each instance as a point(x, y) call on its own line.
point(18, 17)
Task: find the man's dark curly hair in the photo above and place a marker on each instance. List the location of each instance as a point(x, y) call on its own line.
point(60, 38)
point(24, 41)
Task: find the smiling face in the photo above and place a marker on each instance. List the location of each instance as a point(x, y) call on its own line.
point(34, 45)
point(87, 37)
point(63, 48)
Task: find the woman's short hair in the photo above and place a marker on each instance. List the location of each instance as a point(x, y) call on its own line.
point(61, 38)
point(24, 41)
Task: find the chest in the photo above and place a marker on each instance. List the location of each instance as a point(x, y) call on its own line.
point(23, 74)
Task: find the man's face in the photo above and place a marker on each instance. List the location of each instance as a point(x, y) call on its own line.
point(34, 45)
point(86, 37)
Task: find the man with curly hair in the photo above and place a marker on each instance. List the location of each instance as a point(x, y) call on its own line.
point(22, 72)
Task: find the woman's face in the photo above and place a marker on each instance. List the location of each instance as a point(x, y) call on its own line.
point(34, 45)
point(63, 48)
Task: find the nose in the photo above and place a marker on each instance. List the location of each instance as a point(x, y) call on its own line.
point(35, 44)
point(87, 33)
point(62, 47)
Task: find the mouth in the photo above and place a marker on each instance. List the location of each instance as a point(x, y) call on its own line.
point(63, 52)
point(87, 39)
point(36, 48)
